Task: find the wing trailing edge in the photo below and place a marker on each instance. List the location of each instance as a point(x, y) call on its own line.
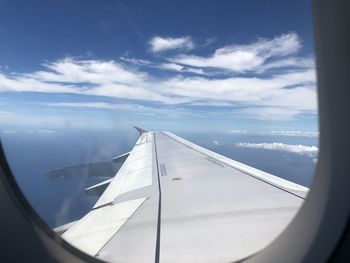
point(121, 158)
point(98, 189)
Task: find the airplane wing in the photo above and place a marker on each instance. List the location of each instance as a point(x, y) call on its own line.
point(174, 201)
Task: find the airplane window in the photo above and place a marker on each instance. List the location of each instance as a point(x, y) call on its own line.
point(161, 130)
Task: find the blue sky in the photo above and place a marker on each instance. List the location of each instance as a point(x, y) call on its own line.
point(172, 65)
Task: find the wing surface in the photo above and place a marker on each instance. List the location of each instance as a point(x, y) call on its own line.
point(174, 201)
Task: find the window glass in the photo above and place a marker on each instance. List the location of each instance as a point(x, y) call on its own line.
point(234, 77)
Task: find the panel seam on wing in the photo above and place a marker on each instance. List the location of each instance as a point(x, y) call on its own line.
point(145, 199)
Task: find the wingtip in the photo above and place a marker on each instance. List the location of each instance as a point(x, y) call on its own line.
point(140, 130)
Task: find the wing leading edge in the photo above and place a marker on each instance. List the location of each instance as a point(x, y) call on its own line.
point(173, 200)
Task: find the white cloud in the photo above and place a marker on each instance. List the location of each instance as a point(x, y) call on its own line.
point(70, 70)
point(86, 77)
point(136, 61)
point(282, 95)
point(210, 103)
point(172, 112)
point(9, 131)
point(198, 71)
point(280, 133)
point(171, 66)
point(296, 133)
point(237, 132)
point(179, 68)
point(215, 142)
point(298, 62)
point(272, 94)
point(209, 41)
point(275, 146)
point(160, 44)
point(55, 120)
point(267, 113)
point(95, 105)
point(39, 131)
point(242, 58)
point(163, 66)
point(46, 131)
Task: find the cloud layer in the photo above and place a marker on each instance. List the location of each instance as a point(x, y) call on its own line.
point(296, 133)
point(281, 94)
point(275, 146)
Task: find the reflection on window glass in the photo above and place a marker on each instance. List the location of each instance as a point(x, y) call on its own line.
point(231, 84)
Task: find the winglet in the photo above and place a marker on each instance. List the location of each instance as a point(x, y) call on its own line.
point(140, 130)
